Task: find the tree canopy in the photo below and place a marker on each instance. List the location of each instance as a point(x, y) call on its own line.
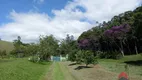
point(123, 33)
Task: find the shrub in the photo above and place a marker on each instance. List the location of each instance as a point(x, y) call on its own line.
point(79, 57)
point(100, 54)
point(108, 55)
point(34, 59)
point(89, 58)
point(3, 54)
point(86, 57)
point(115, 55)
point(72, 56)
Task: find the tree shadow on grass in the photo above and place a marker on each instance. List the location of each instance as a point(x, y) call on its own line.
point(41, 62)
point(3, 61)
point(82, 67)
point(136, 63)
point(72, 64)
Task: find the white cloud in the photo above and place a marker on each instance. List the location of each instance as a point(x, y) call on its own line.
point(66, 21)
point(38, 1)
point(98, 10)
point(30, 25)
point(41, 0)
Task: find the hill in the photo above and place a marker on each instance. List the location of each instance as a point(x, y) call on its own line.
point(5, 45)
point(121, 34)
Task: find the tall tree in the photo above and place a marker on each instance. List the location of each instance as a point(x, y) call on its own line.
point(48, 46)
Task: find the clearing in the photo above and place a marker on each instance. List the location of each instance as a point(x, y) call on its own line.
point(107, 69)
point(65, 71)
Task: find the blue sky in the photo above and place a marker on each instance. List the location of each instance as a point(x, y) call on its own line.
point(32, 18)
point(7, 6)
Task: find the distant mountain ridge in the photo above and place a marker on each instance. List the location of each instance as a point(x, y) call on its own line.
point(5, 45)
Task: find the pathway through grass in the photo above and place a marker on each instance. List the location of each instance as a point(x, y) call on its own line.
point(107, 69)
point(58, 71)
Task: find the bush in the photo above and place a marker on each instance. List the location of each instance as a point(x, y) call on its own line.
point(115, 55)
point(89, 58)
point(79, 57)
point(100, 54)
point(108, 55)
point(3, 54)
point(72, 56)
point(34, 59)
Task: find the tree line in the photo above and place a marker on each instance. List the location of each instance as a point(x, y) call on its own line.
point(122, 34)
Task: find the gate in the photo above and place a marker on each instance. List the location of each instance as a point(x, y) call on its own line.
point(56, 58)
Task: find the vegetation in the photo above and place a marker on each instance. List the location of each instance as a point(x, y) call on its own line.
point(106, 40)
point(8, 46)
point(46, 47)
point(3, 54)
point(133, 62)
point(110, 40)
point(116, 35)
point(57, 73)
point(22, 69)
point(88, 58)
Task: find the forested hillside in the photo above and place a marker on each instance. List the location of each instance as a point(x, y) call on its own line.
point(123, 33)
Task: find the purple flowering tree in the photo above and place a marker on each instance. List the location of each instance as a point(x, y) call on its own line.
point(84, 43)
point(118, 33)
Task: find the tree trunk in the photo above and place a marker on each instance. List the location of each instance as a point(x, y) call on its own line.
point(86, 65)
point(121, 49)
point(128, 47)
point(136, 48)
point(122, 52)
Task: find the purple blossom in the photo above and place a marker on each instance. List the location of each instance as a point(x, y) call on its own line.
point(83, 42)
point(108, 33)
point(116, 28)
point(117, 31)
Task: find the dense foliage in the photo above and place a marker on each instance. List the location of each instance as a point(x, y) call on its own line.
point(123, 34)
point(46, 47)
point(3, 54)
point(113, 39)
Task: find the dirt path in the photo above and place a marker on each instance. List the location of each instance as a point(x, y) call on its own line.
point(96, 72)
point(65, 71)
point(58, 71)
point(93, 73)
point(49, 74)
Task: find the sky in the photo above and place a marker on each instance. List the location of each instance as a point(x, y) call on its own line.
point(32, 18)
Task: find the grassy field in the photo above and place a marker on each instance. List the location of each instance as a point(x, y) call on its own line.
point(57, 72)
point(8, 46)
point(22, 69)
point(131, 64)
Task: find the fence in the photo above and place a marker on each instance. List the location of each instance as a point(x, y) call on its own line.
point(59, 58)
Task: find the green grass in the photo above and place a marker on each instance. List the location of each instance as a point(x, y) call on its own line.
point(22, 69)
point(57, 72)
point(8, 46)
point(132, 58)
point(119, 65)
